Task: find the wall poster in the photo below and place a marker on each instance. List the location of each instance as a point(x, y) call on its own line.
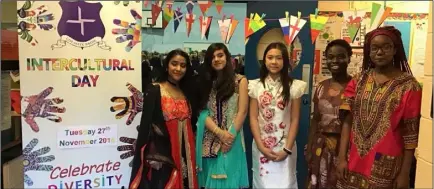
point(80, 74)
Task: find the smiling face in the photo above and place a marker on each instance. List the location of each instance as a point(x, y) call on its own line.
point(382, 50)
point(219, 60)
point(274, 61)
point(337, 59)
point(176, 68)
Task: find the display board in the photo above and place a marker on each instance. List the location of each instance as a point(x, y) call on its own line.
point(80, 64)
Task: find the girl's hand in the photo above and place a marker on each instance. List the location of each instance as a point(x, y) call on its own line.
point(226, 138)
point(342, 169)
point(268, 153)
point(280, 156)
point(402, 181)
point(226, 148)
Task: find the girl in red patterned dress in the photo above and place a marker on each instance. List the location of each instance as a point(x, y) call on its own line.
point(382, 112)
point(165, 150)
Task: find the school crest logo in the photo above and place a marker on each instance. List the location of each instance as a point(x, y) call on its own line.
point(81, 25)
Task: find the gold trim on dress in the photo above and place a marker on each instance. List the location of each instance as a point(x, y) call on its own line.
point(220, 176)
point(188, 156)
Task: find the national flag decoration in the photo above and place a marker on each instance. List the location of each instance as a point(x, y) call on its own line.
point(219, 5)
point(189, 20)
point(353, 20)
point(317, 23)
point(167, 16)
point(205, 23)
point(232, 26)
point(204, 6)
point(189, 5)
point(178, 18)
point(169, 4)
point(145, 3)
point(378, 15)
point(155, 11)
point(284, 24)
point(224, 28)
point(296, 23)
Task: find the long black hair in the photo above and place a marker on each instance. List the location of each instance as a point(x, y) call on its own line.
point(399, 59)
point(188, 76)
point(223, 83)
point(285, 79)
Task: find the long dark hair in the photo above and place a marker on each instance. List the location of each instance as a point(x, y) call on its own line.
point(285, 79)
point(399, 59)
point(188, 76)
point(223, 83)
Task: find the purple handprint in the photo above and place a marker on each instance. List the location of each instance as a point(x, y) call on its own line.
point(129, 148)
point(132, 104)
point(38, 106)
point(32, 160)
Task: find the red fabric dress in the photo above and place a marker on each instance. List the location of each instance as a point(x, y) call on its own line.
point(385, 122)
point(177, 116)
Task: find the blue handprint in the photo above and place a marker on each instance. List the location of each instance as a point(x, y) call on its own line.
point(32, 161)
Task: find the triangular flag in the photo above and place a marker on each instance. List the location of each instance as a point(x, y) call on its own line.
point(296, 23)
point(354, 20)
point(204, 6)
point(167, 16)
point(247, 30)
point(378, 15)
point(224, 28)
point(205, 23)
point(219, 5)
point(374, 12)
point(257, 23)
point(284, 24)
point(178, 18)
point(156, 9)
point(145, 3)
point(169, 4)
point(317, 23)
point(232, 27)
point(189, 5)
point(386, 13)
point(189, 20)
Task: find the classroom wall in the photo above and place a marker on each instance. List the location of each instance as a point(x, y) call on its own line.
point(424, 150)
point(165, 40)
point(398, 6)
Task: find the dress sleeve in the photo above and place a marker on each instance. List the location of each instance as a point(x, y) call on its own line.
point(411, 118)
point(253, 88)
point(297, 89)
point(348, 95)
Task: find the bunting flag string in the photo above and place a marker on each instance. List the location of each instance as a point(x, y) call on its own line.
point(317, 24)
point(219, 5)
point(204, 6)
point(189, 5)
point(178, 18)
point(284, 24)
point(378, 14)
point(167, 16)
point(189, 20)
point(232, 26)
point(224, 27)
point(205, 23)
point(296, 27)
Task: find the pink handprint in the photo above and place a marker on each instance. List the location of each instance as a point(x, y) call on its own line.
point(132, 104)
point(38, 106)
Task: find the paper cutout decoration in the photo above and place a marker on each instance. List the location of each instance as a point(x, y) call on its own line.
point(205, 23)
point(257, 23)
point(224, 28)
point(155, 11)
point(169, 4)
point(284, 24)
point(232, 26)
point(219, 5)
point(145, 3)
point(353, 20)
point(189, 5)
point(167, 16)
point(317, 23)
point(247, 30)
point(378, 14)
point(189, 20)
point(178, 18)
point(204, 6)
point(296, 23)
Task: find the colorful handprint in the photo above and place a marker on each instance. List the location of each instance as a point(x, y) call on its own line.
point(129, 148)
point(129, 31)
point(31, 19)
point(132, 104)
point(125, 3)
point(33, 160)
point(38, 106)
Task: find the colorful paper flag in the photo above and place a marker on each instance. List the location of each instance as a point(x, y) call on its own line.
point(189, 20)
point(204, 6)
point(145, 3)
point(284, 24)
point(189, 5)
point(219, 5)
point(156, 10)
point(167, 16)
point(224, 28)
point(233, 25)
point(296, 23)
point(317, 23)
point(247, 30)
point(378, 15)
point(353, 20)
point(178, 18)
point(169, 4)
point(205, 23)
point(257, 23)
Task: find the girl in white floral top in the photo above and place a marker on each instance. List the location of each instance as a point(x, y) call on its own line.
point(275, 100)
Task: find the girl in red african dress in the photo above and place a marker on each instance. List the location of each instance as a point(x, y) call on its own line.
point(382, 107)
point(165, 150)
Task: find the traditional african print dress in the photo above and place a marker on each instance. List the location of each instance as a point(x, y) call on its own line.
point(325, 144)
point(215, 168)
point(385, 122)
point(170, 140)
point(274, 122)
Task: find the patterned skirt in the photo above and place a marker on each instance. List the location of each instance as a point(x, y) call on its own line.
point(323, 161)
